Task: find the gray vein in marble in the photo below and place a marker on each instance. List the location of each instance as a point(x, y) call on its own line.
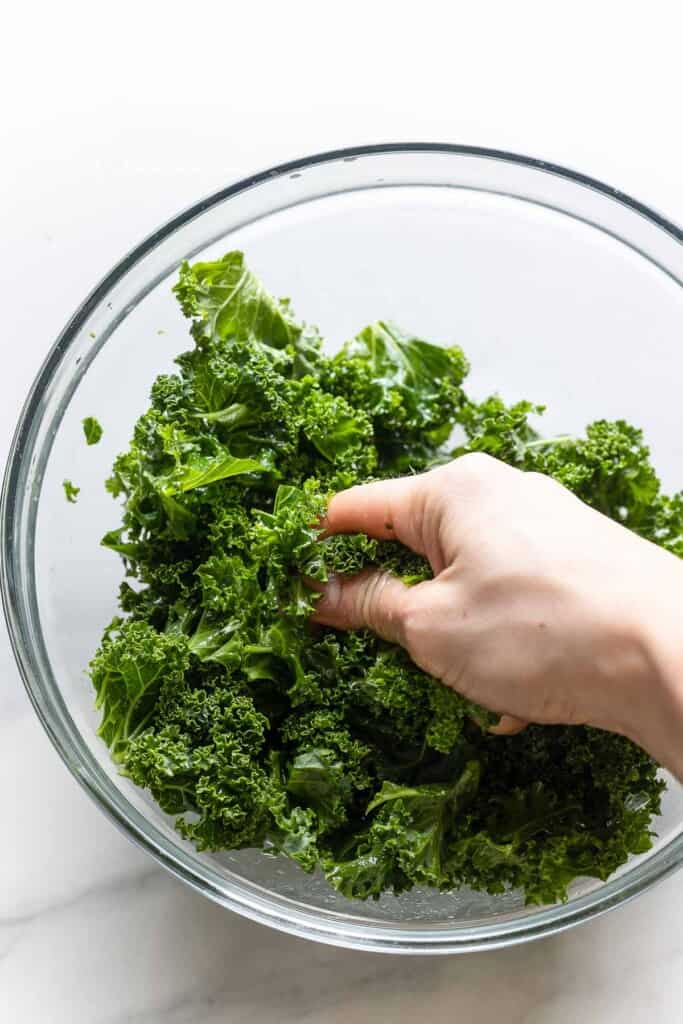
point(120, 884)
point(268, 993)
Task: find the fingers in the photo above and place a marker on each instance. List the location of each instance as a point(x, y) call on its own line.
point(508, 726)
point(411, 509)
point(386, 509)
point(374, 600)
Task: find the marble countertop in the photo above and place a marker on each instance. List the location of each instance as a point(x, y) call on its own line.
point(114, 120)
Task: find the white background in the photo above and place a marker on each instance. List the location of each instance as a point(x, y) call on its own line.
point(114, 117)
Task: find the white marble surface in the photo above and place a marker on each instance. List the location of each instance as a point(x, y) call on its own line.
point(112, 120)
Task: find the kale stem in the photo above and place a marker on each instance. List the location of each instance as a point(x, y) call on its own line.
point(548, 441)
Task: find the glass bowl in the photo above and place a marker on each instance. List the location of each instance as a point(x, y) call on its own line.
point(558, 288)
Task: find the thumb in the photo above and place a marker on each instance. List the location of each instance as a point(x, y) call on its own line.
point(374, 600)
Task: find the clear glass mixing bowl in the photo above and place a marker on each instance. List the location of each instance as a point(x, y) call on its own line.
point(558, 288)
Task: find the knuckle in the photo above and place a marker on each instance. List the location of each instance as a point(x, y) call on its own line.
point(542, 480)
point(537, 476)
point(474, 467)
point(369, 599)
point(381, 606)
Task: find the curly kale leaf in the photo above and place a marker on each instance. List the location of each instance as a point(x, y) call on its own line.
point(406, 842)
point(411, 389)
point(128, 673)
point(224, 297)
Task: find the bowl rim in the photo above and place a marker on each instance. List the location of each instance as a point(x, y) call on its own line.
point(306, 923)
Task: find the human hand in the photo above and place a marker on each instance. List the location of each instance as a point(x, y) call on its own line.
point(541, 608)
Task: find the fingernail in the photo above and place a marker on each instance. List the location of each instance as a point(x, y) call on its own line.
point(508, 726)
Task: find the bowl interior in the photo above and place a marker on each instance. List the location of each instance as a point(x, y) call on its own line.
point(555, 292)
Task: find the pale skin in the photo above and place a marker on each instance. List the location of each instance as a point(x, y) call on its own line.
point(540, 609)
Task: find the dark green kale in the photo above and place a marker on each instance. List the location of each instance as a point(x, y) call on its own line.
point(92, 430)
point(256, 729)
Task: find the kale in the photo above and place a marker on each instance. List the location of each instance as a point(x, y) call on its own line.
point(92, 430)
point(255, 728)
point(71, 492)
